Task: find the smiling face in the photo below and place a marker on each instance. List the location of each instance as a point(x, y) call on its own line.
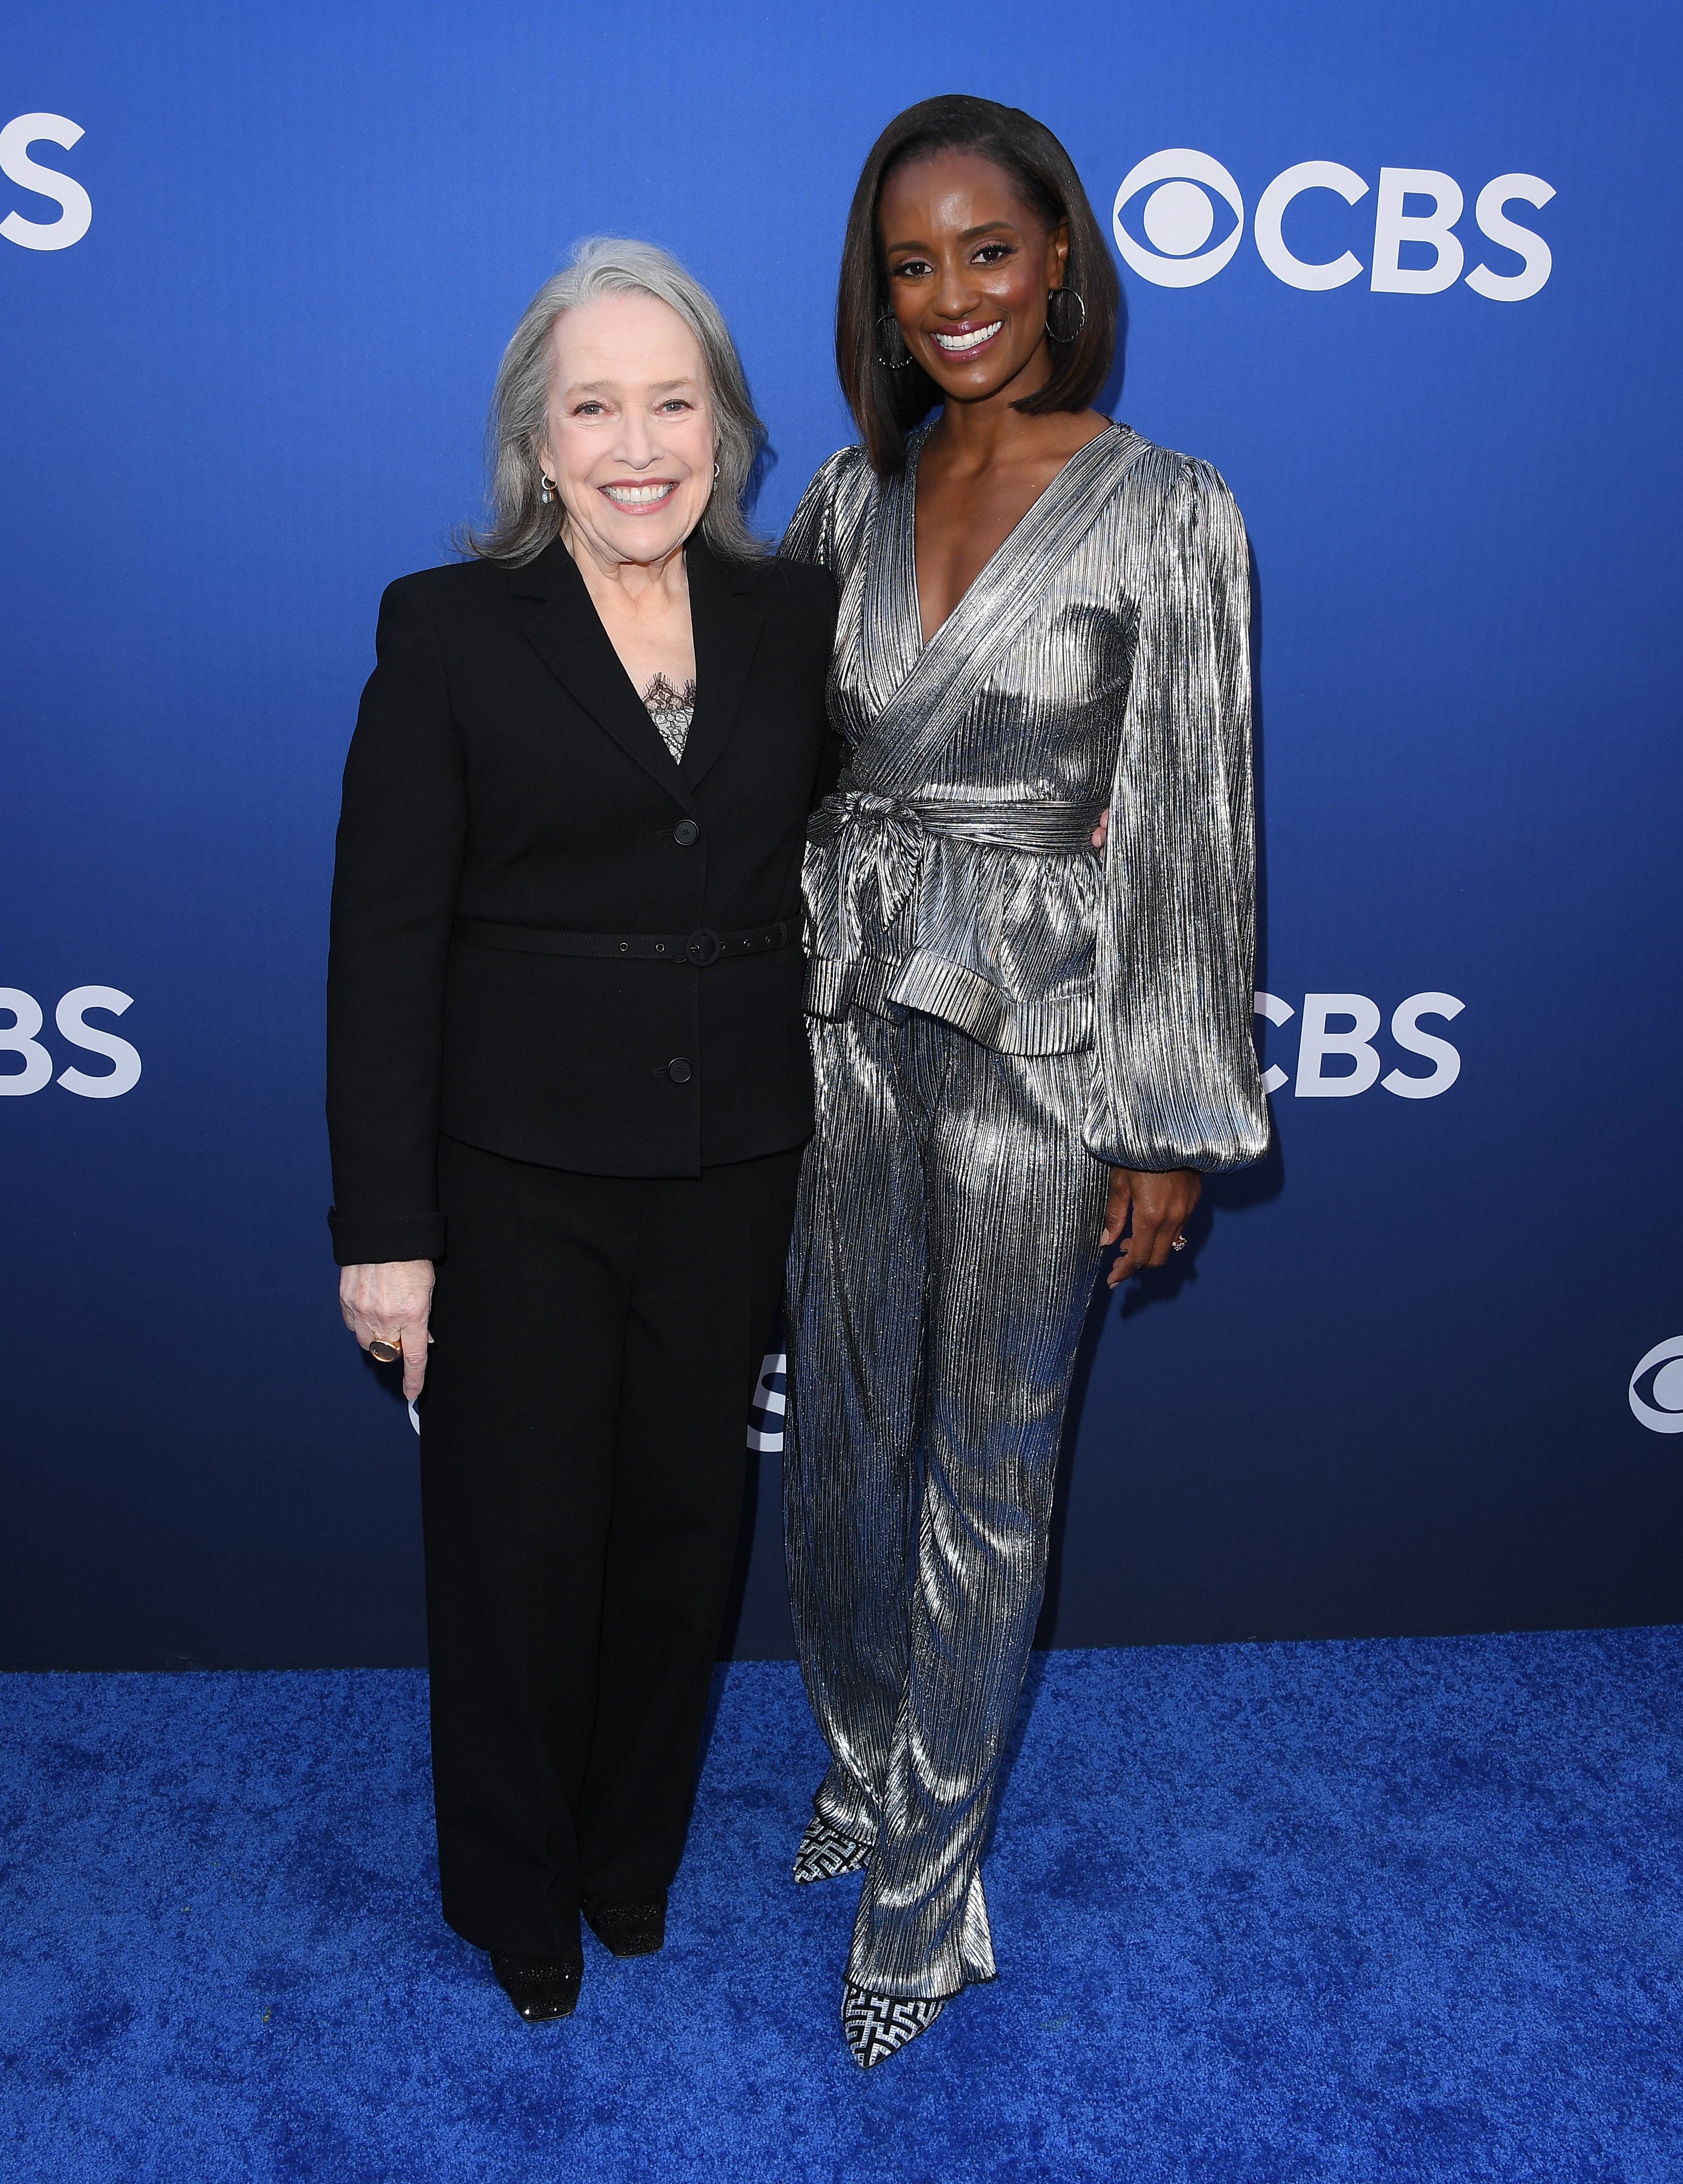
point(630, 438)
point(969, 269)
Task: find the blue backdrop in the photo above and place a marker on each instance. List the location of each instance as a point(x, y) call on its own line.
point(1421, 1371)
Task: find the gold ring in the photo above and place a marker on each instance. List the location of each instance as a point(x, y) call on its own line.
point(383, 1352)
point(1179, 1245)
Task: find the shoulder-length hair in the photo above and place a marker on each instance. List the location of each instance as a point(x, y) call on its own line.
point(523, 524)
point(887, 403)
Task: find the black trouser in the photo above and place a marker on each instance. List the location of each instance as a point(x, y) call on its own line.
point(582, 1438)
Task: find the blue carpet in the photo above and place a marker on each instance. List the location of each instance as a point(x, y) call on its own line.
point(1265, 1914)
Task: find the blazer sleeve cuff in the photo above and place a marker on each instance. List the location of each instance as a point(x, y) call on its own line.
point(362, 1241)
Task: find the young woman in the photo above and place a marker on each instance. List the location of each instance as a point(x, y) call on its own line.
point(1028, 1038)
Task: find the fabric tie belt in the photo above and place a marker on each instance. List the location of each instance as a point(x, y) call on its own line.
point(1026, 823)
point(888, 835)
point(701, 948)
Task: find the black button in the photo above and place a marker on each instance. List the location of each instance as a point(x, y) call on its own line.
point(685, 832)
point(679, 1071)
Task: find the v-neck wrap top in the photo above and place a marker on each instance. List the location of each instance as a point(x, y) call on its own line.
point(1101, 659)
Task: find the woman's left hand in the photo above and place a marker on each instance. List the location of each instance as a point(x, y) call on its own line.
point(1160, 1202)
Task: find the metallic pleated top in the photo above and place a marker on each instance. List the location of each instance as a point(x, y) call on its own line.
point(1101, 658)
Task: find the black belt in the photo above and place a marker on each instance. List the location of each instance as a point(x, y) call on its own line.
point(702, 947)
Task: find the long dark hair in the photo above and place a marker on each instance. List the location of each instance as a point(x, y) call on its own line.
point(886, 404)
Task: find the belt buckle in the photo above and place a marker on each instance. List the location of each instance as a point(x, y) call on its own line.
point(703, 946)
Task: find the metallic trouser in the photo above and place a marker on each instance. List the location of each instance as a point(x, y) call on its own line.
point(946, 1241)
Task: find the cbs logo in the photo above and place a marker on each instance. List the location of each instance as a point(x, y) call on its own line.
point(1340, 1027)
point(19, 1038)
point(1167, 237)
point(770, 1404)
point(1656, 1388)
point(76, 207)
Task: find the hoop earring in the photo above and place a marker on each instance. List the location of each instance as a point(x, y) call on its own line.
point(548, 495)
point(888, 362)
point(716, 470)
point(1075, 331)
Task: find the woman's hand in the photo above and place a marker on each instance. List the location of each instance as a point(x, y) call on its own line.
point(389, 1302)
point(1160, 1203)
point(1102, 828)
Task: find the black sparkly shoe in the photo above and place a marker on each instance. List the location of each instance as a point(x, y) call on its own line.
point(823, 1853)
point(540, 1988)
point(877, 2026)
point(627, 1930)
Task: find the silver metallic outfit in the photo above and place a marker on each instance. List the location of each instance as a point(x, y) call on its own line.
point(998, 1015)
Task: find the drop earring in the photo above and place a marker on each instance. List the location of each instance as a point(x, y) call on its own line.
point(548, 494)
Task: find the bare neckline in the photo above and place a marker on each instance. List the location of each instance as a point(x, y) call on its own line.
point(913, 453)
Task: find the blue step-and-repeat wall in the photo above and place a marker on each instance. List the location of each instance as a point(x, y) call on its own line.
point(1408, 276)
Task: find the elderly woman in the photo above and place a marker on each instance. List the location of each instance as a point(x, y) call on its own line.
point(568, 1084)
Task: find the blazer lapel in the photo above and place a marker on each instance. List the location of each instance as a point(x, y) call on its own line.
point(565, 629)
point(725, 625)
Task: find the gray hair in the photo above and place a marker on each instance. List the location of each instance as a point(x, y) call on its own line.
point(523, 525)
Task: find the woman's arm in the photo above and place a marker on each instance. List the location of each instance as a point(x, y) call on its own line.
point(829, 521)
point(1177, 1085)
point(402, 831)
point(811, 535)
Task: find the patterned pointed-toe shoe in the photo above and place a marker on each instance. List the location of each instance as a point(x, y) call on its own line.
point(877, 2026)
point(823, 1853)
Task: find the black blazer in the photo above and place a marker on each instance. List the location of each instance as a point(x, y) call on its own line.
point(504, 769)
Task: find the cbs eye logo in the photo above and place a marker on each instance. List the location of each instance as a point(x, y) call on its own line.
point(1179, 218)
point(1656, 1388)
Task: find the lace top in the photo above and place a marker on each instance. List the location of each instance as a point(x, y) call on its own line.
point(671, 712)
